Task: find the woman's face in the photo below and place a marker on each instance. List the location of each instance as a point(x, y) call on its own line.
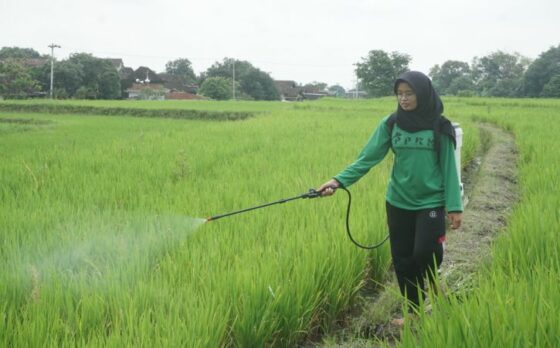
point(406, 97)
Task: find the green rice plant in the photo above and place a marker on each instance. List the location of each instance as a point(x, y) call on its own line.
point(102, 236)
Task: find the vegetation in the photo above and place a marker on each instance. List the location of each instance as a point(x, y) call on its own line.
point(379, 70)
point(182, 69)
point(103, 241)
point(15, 80)
point(253, 83)
point(85, 109)
point(100, 245)
point(498, 74)
point(82, 76)
point(218, 88)
point(541, 78)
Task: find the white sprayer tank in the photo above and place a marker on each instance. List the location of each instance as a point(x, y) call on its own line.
point(459, 141)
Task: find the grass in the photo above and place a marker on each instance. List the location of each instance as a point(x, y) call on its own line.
point(100, 240)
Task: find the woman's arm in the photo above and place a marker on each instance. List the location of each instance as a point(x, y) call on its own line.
point(373, 152)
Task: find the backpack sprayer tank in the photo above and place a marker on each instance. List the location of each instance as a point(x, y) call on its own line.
point(459, 142)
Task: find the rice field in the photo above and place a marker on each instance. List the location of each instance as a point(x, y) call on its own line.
point(104, 242)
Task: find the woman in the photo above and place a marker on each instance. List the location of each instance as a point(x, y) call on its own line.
point(424, 182)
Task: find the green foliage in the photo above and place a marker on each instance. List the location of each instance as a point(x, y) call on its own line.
point(82, 76)
point(540, 72)
point(111, 193)
point(109, 84)
point(16, 81)
point(444, 77)
point(143, 73)
point(138, 111)
point(68, 76)
point(97, 250)
point(99, 76)
point(85, 93)
point(379, 70)
point(182, 69)
point(60, 93)
point(552, 88)
point(18, 53)
point(258, 85)
point(254, 83)
point(217, 88)
point(462, 86)
point(499, 74)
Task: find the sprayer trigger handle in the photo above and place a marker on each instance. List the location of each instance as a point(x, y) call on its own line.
point(312, 193)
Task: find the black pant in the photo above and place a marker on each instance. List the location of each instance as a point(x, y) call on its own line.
point(416, 247)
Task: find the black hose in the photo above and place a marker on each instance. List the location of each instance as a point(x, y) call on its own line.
point(367, 247)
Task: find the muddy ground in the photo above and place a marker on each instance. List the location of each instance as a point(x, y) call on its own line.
point(490, 192)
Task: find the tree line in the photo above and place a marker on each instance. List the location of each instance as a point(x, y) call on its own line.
point(25, 73)
point(498, 74)
point(83, 76)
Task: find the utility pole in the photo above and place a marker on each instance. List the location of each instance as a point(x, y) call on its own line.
point(233, 83)
point(52, 46)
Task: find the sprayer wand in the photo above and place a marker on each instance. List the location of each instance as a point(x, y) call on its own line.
point(310, 194)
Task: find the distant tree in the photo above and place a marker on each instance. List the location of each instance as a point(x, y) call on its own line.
point(143, 73)
point(16, 81)
point(443, 77)
point(67, 76)
point(258, 85)
point(109, 84)
point(462, 85)
point(201, 77)
point(85, 93)
point(541, 71)
point(337, 90)
point(499, 74)
point(254, 83)
point(182, 69)
point(379, 70)
point(552, 88)
point(127, 79)
point(218, 88)
point(100, 78)
point(60, 93)
point(18, 53)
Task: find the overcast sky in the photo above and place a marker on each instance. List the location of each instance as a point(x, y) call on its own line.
point(301, 40)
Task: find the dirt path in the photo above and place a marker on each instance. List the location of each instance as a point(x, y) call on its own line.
point(490, 189)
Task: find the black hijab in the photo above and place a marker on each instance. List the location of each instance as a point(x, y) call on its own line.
point(428, 113)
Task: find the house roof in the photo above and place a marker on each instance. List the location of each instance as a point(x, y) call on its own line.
point(117, 62)
point(173, 82)
point(136, 87)
point(287, 88)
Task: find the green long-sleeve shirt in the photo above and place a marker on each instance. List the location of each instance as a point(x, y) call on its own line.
point(417, 181)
